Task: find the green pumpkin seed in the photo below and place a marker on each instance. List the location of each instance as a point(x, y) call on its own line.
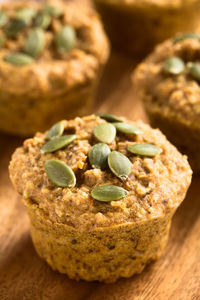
point(66, 39)
point(58, 143)
point(19, 59)
point(105, 133)
point(3, 18)
point(109, 117)
point(35, 42)
point(174, 65)
point(42, 20)
point(107, 193)
point(145, 149)
point(27, 14)
point(127, 128)
point(53, 11)
point(194, 70)
point(119, 164)
point(98, 156)
point(56, 130)
point(184, 36)
point(14, 27)
point(59, 173)
point(2, 41)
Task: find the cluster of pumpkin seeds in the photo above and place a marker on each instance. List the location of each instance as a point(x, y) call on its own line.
point(36, 23)
point(100, 156)
point(175, 65)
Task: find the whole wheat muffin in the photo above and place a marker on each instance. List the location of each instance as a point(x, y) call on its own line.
point(100, 195)
point(51, 58)
point(136, 26)
point(168, 84)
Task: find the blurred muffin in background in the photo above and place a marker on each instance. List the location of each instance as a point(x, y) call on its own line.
point(168, 83)
point(51, 56)
point(136, 26)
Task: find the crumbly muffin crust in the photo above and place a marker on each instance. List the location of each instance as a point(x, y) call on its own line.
point(172, 101)
point(92, 240)
point(55, 84)
point(55, 73)
point(177, 96)
point(156, 185)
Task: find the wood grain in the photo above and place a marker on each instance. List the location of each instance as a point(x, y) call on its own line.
point(24, 276)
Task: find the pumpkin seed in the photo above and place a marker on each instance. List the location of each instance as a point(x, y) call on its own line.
point(35, 42)
point(105, 132)
point(58, 143)
point(66, 39)
point(59, 173)
point(98, 156)
point(14, 27)
point(109, 117)
point(42, 20)
point(194, 70)
point(174, 65)
point(56, 130)
point(184, 36)
point(19, 59)
point(53, 11)
point(119, 164)
point(27, 14)
point(2, 40)
point(3, 18)
point(127, 128)
point(107, 193)
point(145, 149)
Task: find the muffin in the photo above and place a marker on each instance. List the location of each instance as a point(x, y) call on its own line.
point(100, 195)
point(136, 26)
point(168, 84)
point(51, 59)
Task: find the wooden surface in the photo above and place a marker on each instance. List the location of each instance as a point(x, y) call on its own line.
point(24, 276)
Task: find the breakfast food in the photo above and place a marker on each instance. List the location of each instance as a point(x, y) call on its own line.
point(100, 193)
point(168, 84)
point(51, 57)
point(136, 26)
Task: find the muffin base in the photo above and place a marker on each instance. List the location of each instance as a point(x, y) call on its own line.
point(136, 28)
point(102, 254)
point(25, 115)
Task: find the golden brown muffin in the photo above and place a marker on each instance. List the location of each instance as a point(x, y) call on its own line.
point(51, 58)
point(100, 211)
point(137, 25)
point(168, 84)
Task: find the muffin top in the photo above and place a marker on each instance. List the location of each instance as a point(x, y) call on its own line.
point(54, 45)
point(148, 182)
point(168, 80)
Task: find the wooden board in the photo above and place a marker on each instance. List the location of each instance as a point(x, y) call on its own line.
point(24, 276)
